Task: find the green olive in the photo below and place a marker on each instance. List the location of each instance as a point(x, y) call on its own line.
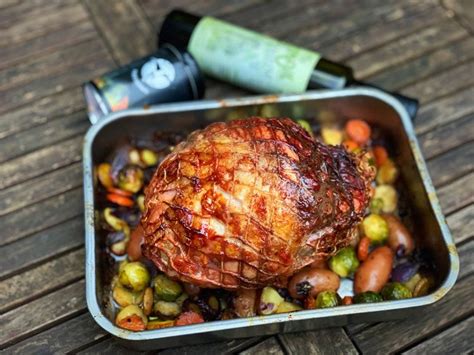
point(131, 318)
point(131, 178)
point(125, 297)
point(367, 297)
point(166, 289)
point(395, 291)
point(270, 300)
point(327, 299)
point(167, 310)
point(134, 276)
point(375, 228)
point(345, 262)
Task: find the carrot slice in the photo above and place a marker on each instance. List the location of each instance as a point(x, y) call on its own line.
point(120, 200)
point(133, 322)
point(120, 192)
point(363, 249)
point(350, 145)
point(358, 130)
point(380, 154)
point(189, 317)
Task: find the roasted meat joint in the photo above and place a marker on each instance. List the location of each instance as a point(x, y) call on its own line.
point(247, 203)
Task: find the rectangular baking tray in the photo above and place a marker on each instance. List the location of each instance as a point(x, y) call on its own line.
point(376, 107)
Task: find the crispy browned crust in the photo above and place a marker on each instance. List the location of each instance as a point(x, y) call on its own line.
point(249, 202)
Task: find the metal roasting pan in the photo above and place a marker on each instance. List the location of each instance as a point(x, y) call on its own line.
point(379, 109)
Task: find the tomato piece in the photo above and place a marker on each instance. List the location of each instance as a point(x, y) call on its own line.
point(358, 130)
point(363, 249)
point(120, 200)
point(380, 154)
point(189, 317)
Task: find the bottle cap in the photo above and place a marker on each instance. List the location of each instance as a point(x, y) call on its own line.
point(177, 28)
point(168, 75)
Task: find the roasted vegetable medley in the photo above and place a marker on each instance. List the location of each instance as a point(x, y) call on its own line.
point(381, 264)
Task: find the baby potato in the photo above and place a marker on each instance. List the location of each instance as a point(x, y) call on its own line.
point(125, 297)
point(287, 307)
point(270, 300)
point(311, 281)
point(131, 178)
point(375, 271)
point(104, 175)
point(398, 235)
point(244, 302)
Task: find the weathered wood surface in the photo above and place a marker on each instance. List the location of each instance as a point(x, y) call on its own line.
point(423, 48)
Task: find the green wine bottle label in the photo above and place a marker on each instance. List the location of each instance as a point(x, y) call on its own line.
point(249, 59)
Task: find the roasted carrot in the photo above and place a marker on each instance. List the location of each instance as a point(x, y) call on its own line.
point(120, 200)
point(363, 249)
point(350, 145)
point(380, 154)
point(358, 130)
point(120, 192)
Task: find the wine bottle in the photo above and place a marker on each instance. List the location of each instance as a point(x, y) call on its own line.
point(257, 62)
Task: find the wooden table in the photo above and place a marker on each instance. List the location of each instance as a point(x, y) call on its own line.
point(48, 48)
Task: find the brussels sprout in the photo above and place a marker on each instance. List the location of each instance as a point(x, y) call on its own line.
point(104, 174)
point(158, 324)
point(375, 228)
point(387, 173)
point(376, 205)
point(270, 300)
point(389, 197)
point(148, 301)
point(327, 299)
point(131, 178)
point(344, 262)
point(131, 318)
point(367, 297)
point(395, 291)
point(149, 157)
point(167, 309)
point(125, 297)
point(135, 276)
point(331, 136)
point(305, 124)
point(166, 289)
point(287, 307)
point(419, 284)
point(180, 300)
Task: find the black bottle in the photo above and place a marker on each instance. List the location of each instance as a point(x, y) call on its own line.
point(255, 61)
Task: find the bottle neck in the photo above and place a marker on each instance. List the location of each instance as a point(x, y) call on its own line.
point(330, 75)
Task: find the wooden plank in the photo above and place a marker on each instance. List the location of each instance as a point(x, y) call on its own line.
point(54, 84)
point(444, 138)
point(42, 313)
point(41, 215)
point(445, 110)
point(41, 161)
point(429, 63)
point(41, 111)
point(323, 341)
point(461, 224)
point(391, 336)
point(30, 23)
point(63, 338)
point(44, 135)
point(108, 346)
point(223, 347)
point(466, 258)
point(50, 41)
point(41, 246)
point(43, 279)
point(40, 188)
point(119, 22)
point(269, 346)
point(410, 18)
point(455, 340)
point(464, 10)
point(457, 194)
point(442, 84)
point(452, 164)
point(407, 48)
